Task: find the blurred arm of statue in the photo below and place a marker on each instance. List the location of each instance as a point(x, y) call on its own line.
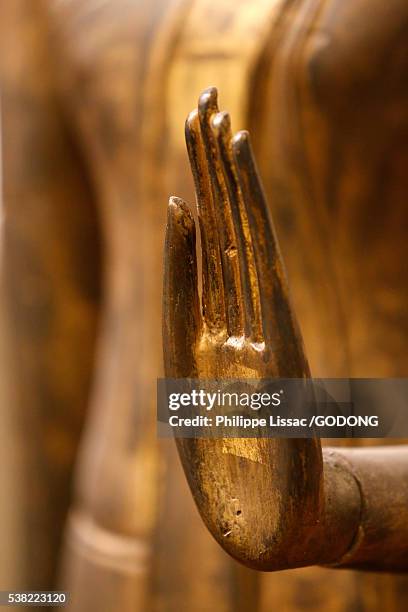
point(50, 299)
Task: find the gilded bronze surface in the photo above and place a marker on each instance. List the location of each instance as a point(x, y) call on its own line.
point(91, 147)
point(271, 504)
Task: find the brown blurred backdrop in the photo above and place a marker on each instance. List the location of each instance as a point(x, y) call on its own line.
point(94, 94)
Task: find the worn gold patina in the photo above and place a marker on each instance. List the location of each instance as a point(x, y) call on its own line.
point(272, 504)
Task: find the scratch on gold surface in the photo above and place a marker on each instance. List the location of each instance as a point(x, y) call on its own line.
point(241, 448)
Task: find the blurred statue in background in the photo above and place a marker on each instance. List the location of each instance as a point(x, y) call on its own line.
point(94, 96)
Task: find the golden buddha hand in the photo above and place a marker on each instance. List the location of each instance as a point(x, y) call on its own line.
point(242, 327)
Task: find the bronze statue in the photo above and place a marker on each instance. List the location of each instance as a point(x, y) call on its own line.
point(270, 503)
point(94, 94)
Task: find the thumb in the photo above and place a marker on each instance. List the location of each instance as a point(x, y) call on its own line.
point(181, 311)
